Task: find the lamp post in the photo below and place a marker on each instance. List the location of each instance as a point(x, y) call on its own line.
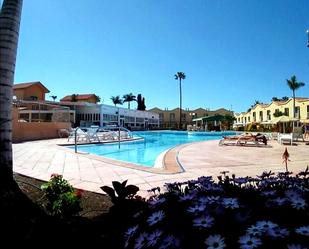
point(118, 112)
point(308, 38)
point(192, 115)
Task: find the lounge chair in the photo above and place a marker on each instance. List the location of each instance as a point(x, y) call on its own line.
point(244, 139)
point(80, 135)
point(282, 138)
point(298, 133)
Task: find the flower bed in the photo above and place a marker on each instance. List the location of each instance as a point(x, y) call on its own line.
point(263, 212)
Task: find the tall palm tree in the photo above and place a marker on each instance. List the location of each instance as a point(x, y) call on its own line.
point(54, 97)
point(294, 85)
point(128, 98)
point(180, 76)
point(116, 100)
point(10, 16)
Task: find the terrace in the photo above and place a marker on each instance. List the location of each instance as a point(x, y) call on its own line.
point(39, 159)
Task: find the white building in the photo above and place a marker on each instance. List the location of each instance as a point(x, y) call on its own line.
point(99, 114)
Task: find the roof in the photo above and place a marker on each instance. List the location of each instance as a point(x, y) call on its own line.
point(210, 118)
point(78, 97)
point(29, 84)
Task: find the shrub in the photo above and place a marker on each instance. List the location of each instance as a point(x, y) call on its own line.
point(263, 212)
point(63, 200)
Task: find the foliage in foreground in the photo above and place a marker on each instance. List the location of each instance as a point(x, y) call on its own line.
point(63, 200)
point(264, 212)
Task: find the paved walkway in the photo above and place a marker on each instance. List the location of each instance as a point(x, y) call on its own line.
point(39, 159)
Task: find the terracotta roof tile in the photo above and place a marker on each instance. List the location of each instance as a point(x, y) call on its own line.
point(78, 97)
point(28, 84)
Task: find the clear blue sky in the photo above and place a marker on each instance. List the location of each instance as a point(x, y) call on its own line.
point(233, 52)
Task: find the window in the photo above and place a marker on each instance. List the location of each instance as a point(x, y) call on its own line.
point(172, 116)
point(307, 111)
point(286, 111)
point(161, 115)
point(254, 116)
point(261, 115)
point(268, 115)
point(297, 112)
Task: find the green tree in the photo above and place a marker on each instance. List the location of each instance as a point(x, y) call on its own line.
point(294, 85)
point(116, 100)
point(141, 103)
point(74, 97)
point(129, 98)
point(180, 76)
point(10, 16)
point(97, 99)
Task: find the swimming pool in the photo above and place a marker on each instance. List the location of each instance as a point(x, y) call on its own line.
point(145, 152)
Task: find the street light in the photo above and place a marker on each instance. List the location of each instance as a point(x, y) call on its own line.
point(192, 114)
point(308, 38)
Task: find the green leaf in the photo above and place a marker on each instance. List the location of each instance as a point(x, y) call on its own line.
point(131, 190)
point(109, 191)
point(119, 189)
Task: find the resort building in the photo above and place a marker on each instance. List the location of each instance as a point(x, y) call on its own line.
point(265, 113)
point(169, 119)
point(30, 91)
point(89, 98)
point(99, 114)
point(36, 118)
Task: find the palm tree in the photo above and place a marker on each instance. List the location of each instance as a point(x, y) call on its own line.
point(97, 98)
point(128, 98)
point(180, 76)
point(294, 85)
point(116, 100)
point(54, 97)
point(10, 16)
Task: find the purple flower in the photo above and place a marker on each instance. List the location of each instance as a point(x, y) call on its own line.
point(298, 203)
point(255, 230)
point(248, 242)
point(203, 221)
point(170, 242)
point(291, 194)
point(277, 232)
point(215, 242)
point(187, 197)
point(156, 202)
point(231, 203)
point(303, 230)
point(213, 199)
point(280, 201)
point(155, 217)
point(154, 237)
point(140, 242)
point(266, 225)
point(131, 231)
point(196, 208)
point(268, 193)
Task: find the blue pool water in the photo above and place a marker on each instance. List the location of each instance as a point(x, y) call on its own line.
point(146, 151)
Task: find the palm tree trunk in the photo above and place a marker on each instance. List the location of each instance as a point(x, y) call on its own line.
point(293, 103)
point(180, 105)
point(9, 32)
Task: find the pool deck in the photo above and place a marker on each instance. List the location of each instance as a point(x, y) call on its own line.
point(39, 159)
